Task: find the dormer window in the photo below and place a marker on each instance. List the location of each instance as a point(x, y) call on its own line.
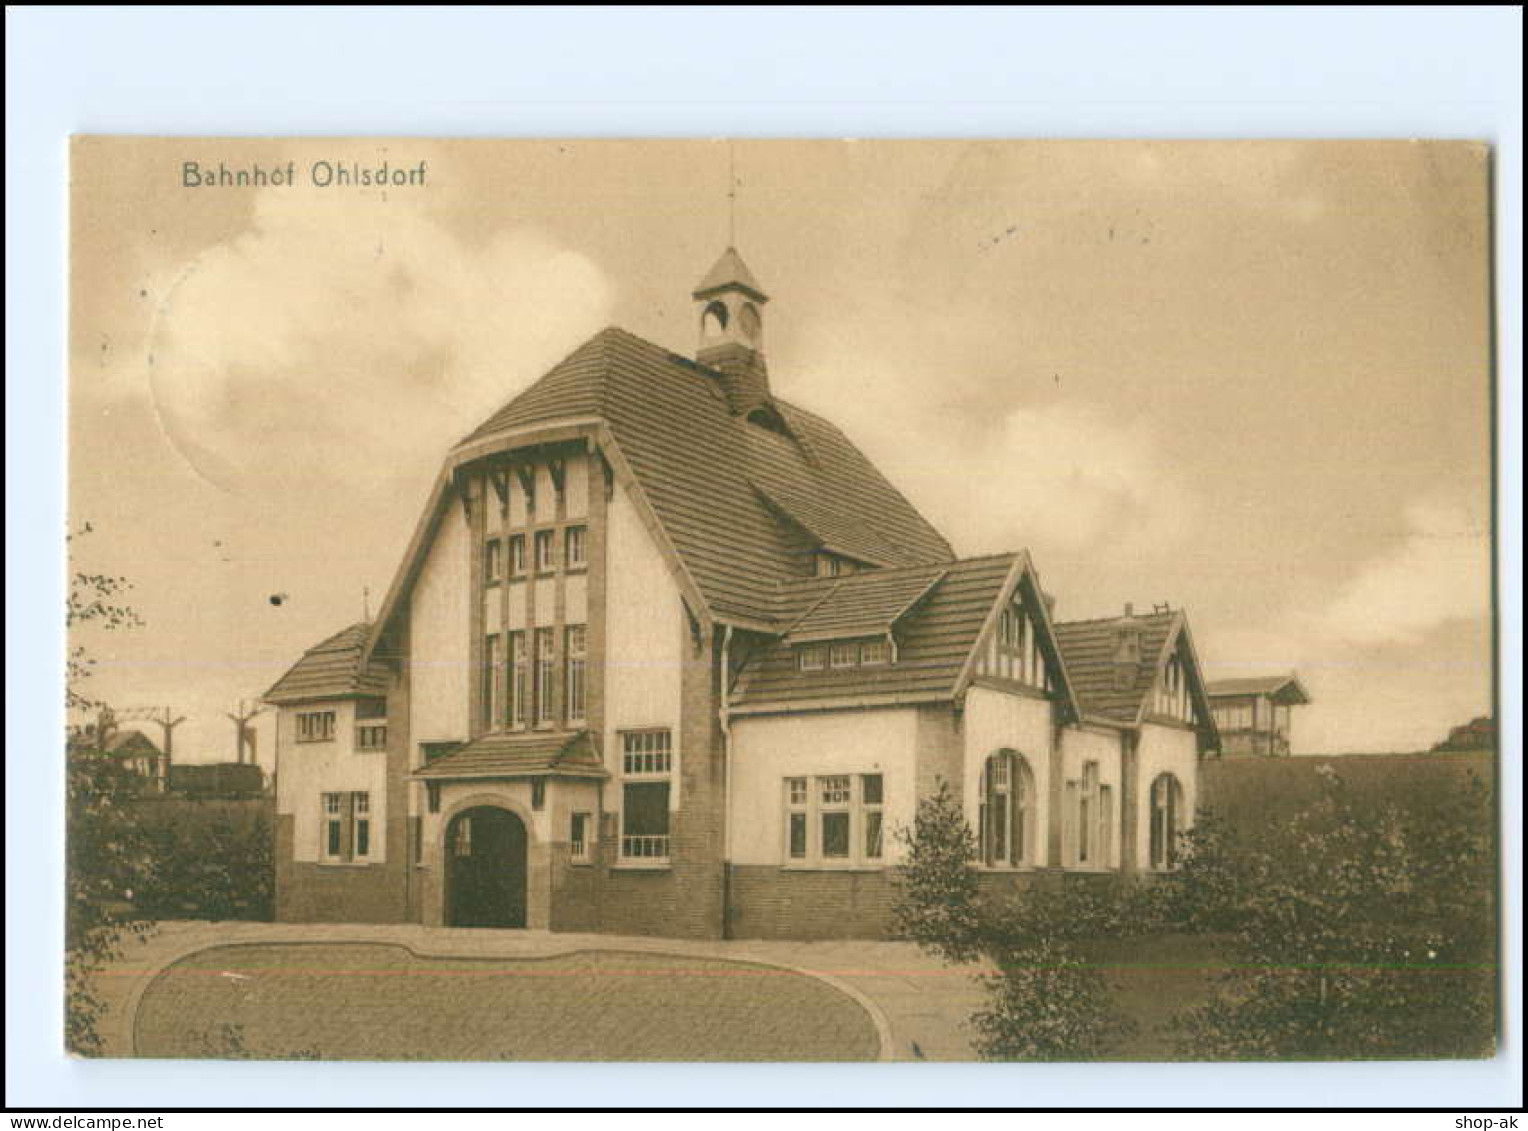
point(831, 565)
point(843, 655)
point(874, 653)
point(810, 659)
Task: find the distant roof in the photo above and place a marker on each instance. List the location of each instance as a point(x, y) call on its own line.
point(933, 643)
point(730, 271)
point(130, 741)
point(330, 670)
point(1286, 688)
point(731, 495)
point(1088, 648)
point(518, 755)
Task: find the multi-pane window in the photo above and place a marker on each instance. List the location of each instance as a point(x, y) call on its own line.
point(647, 765)
point(315, 726)
point(833, 813)
point(371, 736)
point(361, 808)
point(493, 683)
point(842, 655)
point(576, 662)
point(519, 680)
point(575, 546)
point(810, 659)
point(546, 663)
point(1005, 819)
point(345, 835)
point(516, 555)
point(835, 819)
point(1087, 815)
point(578, 836)
point(871, 786)
point(874, 652)
point(1166, 820)
point(796, 818)
point(334, 825)
point(546, 560)
point(493, 561)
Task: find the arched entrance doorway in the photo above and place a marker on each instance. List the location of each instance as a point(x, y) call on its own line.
point(485, 869)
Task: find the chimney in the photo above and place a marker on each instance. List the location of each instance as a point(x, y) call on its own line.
point(1127, 653)
point(730, 302)
point(1129, 609)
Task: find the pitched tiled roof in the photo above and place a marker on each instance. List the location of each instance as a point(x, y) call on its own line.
point(1287, 686)
point(934, 641)
point(863, 604)
point(518, 755)
point(718, 483)
point(1087, 647)
point(330, 670)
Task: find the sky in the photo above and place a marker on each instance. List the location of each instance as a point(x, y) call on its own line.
point(1251, 380)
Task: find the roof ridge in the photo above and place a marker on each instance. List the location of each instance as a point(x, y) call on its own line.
point(1120, 617)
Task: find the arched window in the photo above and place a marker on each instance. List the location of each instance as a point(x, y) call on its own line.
point(713, 320)
point(1007, 811)
point(1166, 820)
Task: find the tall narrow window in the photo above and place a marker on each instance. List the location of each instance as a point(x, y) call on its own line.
point(577, 664)
point(362, 809)
point(1087, 811)
point(574, 547)
point(870, 815)
point(519, 680)
point(646, 765)
point(578, 837)
point(795, 818)
point(1005, 815)
point(546, 663)
point(516, 555)
point(334, 826)
point(1166, 820)
point(493, 665)
point(493, 561)
point(546, 560)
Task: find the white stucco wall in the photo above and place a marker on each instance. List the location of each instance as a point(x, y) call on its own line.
point(1102, 746)
point(766, 750)
point(1164, 749)
point(998, 720)
point(439, 625)
point(645, 642)
point(305, 771)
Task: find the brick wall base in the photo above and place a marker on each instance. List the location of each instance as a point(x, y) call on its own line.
point(778, 903)
point(327, 893)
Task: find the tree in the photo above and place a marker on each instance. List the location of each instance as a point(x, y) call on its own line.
point(1043, 1002)
point(105, 853)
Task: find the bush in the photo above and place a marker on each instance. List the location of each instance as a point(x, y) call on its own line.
point(1362, 931)
point(208, 861)
point(1045, 1004)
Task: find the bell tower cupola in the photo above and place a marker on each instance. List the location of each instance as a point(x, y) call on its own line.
point(730, 304)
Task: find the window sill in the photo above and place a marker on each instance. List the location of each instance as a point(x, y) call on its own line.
point(1008, 869)
point(580, 568)
point(581, 863)
point(342, 865)
point(795, 866)
point(654, 865)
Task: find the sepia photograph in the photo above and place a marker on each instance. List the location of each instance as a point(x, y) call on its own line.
point(708, 599)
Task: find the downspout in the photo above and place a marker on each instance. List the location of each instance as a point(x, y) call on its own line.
point(725, 722)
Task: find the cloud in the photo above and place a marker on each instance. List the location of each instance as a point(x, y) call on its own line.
point(1440, 572)
point(338, 338)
